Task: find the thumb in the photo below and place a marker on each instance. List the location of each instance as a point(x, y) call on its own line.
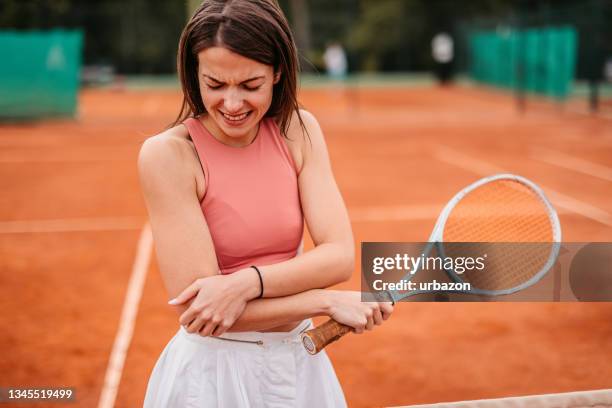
point(186, 294)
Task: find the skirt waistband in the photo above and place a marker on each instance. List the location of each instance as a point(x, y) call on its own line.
point(258, 338)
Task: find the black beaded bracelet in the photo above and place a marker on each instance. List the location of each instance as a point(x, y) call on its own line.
point(260, 281)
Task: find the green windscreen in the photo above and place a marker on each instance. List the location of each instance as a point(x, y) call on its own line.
point(538, 60)
point(39, 74)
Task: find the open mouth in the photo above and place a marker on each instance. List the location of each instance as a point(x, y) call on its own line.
point(236, 118)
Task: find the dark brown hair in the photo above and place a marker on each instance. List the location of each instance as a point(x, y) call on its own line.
point(255, 29)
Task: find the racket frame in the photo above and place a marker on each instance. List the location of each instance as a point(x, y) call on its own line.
point(436, 239)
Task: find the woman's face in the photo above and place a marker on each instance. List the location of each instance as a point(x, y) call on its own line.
point(236, 91)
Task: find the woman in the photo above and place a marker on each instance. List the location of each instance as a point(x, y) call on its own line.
point(227, 189)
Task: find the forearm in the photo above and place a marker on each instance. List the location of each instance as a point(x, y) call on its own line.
point(321, 267)
point(262, 314)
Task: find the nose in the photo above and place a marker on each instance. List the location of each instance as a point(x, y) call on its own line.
point(232, 102)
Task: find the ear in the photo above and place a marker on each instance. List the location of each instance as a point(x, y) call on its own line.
point(277, 77)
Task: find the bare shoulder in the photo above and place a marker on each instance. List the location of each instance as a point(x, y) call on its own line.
point(167, 147)
point(167, 157)
point(304, 139)
point(311, 124)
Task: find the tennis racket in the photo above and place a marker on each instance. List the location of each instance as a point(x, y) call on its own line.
point(503, 208)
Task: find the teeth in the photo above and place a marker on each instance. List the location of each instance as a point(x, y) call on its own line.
point(235, 118)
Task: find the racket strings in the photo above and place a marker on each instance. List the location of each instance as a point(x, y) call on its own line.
point(502, 211)
point(507, 265)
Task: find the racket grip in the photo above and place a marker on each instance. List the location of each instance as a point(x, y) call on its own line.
point(315, 340)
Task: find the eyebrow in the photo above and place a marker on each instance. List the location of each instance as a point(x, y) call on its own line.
point(245, 81)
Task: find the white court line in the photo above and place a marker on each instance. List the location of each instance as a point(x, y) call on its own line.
point(127, 320)
point(560, 200)
point(71, 224)
point(595, 398)
point(572, 163)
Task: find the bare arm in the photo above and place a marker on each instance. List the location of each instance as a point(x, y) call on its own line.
point(183, 244)
point(345, 307)
point(264, 314)
point(185, 250)
point(332, 259)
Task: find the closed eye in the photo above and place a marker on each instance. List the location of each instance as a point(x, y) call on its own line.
point(248, 88)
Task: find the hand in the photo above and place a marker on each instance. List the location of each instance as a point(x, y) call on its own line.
point(347, 308)
point(219, 301)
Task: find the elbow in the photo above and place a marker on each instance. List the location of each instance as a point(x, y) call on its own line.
point(346, 264)
point(347, 272)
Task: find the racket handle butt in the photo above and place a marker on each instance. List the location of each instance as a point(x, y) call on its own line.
point(315, 340)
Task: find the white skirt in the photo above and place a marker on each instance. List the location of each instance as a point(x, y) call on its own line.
point(248, 369)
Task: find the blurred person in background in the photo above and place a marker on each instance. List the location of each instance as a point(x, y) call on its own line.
point(335, 61)
point(442, 50)
point(336, 66)
point(608, 70)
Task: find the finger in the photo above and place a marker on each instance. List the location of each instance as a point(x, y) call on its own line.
point(360, 327)
point(222, 328)
point(370, 323)
point(186, 294)
point(386, 309)
point(218, 331)
point(194, 326)
point(187, 317)
point(207, 329)
point(378, 317)
point(186, 325)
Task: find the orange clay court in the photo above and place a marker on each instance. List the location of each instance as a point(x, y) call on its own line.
point(81, 290)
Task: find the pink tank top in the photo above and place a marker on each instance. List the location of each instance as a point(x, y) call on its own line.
point(252, 202)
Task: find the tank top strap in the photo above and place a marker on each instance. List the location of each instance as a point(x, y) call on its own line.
point(279, 142)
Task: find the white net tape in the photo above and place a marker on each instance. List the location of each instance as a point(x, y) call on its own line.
point(582, 399)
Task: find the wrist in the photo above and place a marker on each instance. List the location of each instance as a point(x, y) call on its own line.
point(325, 301)
point(248, 281)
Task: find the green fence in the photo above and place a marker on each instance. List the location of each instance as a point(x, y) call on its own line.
point(39, 74)
point(539, 60)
